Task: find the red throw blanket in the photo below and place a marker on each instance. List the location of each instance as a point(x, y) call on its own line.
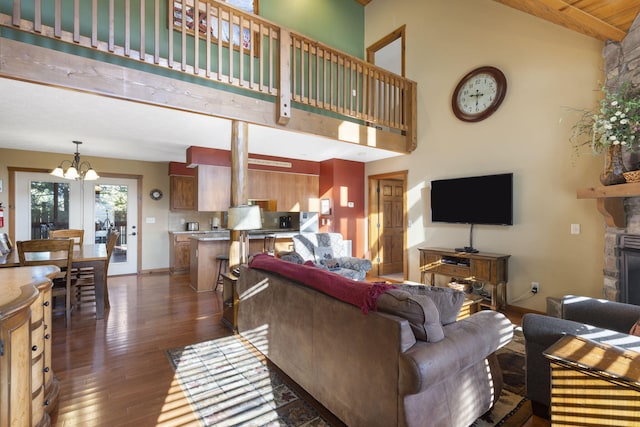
point(361, 294)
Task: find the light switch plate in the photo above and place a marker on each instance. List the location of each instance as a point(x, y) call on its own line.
point(575, 228)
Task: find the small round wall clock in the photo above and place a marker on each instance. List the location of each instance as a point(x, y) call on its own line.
point(479, 94)
point(155, 194)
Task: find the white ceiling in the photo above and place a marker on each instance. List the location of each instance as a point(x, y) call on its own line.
point(42, 118)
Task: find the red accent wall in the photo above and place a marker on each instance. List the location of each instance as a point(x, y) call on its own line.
point(342, 181)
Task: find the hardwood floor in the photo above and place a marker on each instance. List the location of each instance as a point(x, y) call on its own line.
point(114, 372)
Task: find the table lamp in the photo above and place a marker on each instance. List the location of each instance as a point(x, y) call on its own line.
point(244, 218)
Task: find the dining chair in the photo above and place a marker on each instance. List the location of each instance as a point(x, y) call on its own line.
point(77, 236)
point(86, 287)
point(71, 233)
point(52, 252)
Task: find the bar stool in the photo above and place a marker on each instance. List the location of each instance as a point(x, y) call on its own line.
point(269, 246)
point(223, 263)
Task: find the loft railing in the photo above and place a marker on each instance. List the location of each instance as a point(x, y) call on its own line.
point(228, 46)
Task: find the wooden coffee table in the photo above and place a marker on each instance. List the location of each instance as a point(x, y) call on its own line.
point(469, 306)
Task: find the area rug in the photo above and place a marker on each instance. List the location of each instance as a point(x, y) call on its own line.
point(229, 383)
point(512, 408)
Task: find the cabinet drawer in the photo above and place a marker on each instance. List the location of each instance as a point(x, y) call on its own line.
point(37, 377)
point(37, 406)
point(37, 341)
point(454, 270)
point(36, 309)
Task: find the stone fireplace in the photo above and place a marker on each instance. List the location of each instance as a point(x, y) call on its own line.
point(622, 243)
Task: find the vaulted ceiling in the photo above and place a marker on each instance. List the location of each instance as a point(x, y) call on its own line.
point(602, 19)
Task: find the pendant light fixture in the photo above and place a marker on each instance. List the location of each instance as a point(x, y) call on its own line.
point(77, 170)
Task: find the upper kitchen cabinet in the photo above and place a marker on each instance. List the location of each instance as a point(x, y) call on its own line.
point(293, 192)
point(183, 192)
point(213, 188)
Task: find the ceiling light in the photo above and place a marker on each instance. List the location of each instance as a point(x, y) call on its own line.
point(77, 170)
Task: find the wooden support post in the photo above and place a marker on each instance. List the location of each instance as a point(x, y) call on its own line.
point(284, 71)
point(239, 179)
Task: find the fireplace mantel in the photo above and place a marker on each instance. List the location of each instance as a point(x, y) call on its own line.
point(610, 200)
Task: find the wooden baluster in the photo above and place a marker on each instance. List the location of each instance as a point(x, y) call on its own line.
point(15, 18)
point(37, 24)
point(111, 42)
point(76, 21)
point(94, 23)
point(142, 30)
point(57, 26)
point(196, 37)
point(208, 39)
point(231, 74)
point(156, 31)
point(261, 59)
point(240, 51)
point(127, 28)
point(183, 53)
point(219, 43)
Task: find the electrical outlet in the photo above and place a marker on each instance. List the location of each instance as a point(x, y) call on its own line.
point(535, 287)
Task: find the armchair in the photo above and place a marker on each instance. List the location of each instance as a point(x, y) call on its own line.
point(326, 251)
point(598, 320)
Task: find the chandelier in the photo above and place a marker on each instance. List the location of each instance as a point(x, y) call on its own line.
point(77, 170)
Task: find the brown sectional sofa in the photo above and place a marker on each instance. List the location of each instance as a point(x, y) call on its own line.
point(369, 369)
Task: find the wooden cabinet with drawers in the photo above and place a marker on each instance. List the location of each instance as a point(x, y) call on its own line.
point(182, 192)
point(179, 252)
point(28, 389)
point(483, 268)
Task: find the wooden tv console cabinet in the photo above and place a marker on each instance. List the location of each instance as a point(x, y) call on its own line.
point(482, 267)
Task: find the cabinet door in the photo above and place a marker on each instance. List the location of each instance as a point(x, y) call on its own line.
point(214, 188)
point(183, 258)
point(481, 269)
point(182, 192)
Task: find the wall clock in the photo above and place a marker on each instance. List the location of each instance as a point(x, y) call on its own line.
point(479, 94)
point(155, 194)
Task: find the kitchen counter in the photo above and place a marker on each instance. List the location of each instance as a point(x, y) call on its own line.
point(224, 234)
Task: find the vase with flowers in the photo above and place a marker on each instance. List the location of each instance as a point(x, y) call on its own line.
point(612, 129)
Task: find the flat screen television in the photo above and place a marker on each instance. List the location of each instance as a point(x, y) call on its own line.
point(484, 199)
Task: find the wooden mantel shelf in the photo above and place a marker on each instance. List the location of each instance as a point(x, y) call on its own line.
point(610, 200)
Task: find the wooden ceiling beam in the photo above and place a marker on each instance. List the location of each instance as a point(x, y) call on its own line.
point(563, 13)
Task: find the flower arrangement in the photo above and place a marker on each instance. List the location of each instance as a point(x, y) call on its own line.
point(616, 122)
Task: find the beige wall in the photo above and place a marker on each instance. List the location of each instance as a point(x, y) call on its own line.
point(155, 239)
point(548, 69)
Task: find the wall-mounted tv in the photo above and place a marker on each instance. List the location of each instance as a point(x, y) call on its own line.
point(484, 199)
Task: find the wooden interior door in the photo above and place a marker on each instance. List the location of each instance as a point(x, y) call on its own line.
point(391, 238)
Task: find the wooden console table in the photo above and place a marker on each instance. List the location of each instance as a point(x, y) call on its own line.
point(593, 383)
point(487, 268)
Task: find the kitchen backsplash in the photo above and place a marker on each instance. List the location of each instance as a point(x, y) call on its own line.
point(270, 220)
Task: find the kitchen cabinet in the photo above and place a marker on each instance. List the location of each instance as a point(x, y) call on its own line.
point(182, 192)
point(292, 192)
point(204, 266)
point(179, 252)
point(213, 188)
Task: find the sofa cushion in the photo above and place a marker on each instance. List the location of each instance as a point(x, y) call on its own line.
point(447, 300)
point(419, 310)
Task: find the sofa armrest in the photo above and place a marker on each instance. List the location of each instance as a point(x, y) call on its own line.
point(353, 263)
point(605, 314)
point(466, 342)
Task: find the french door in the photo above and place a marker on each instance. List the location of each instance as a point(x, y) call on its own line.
point(44, 202)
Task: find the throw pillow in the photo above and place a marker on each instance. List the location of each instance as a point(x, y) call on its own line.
point(447, 300)
point(635, 329)
point(323, 253)
point(419, 310)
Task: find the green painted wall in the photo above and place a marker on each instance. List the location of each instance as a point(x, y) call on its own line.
point(336, 23)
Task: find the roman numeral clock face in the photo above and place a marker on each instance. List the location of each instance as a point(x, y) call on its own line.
point(479, 94)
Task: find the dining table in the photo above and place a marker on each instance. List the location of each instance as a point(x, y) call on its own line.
point(91, 255)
